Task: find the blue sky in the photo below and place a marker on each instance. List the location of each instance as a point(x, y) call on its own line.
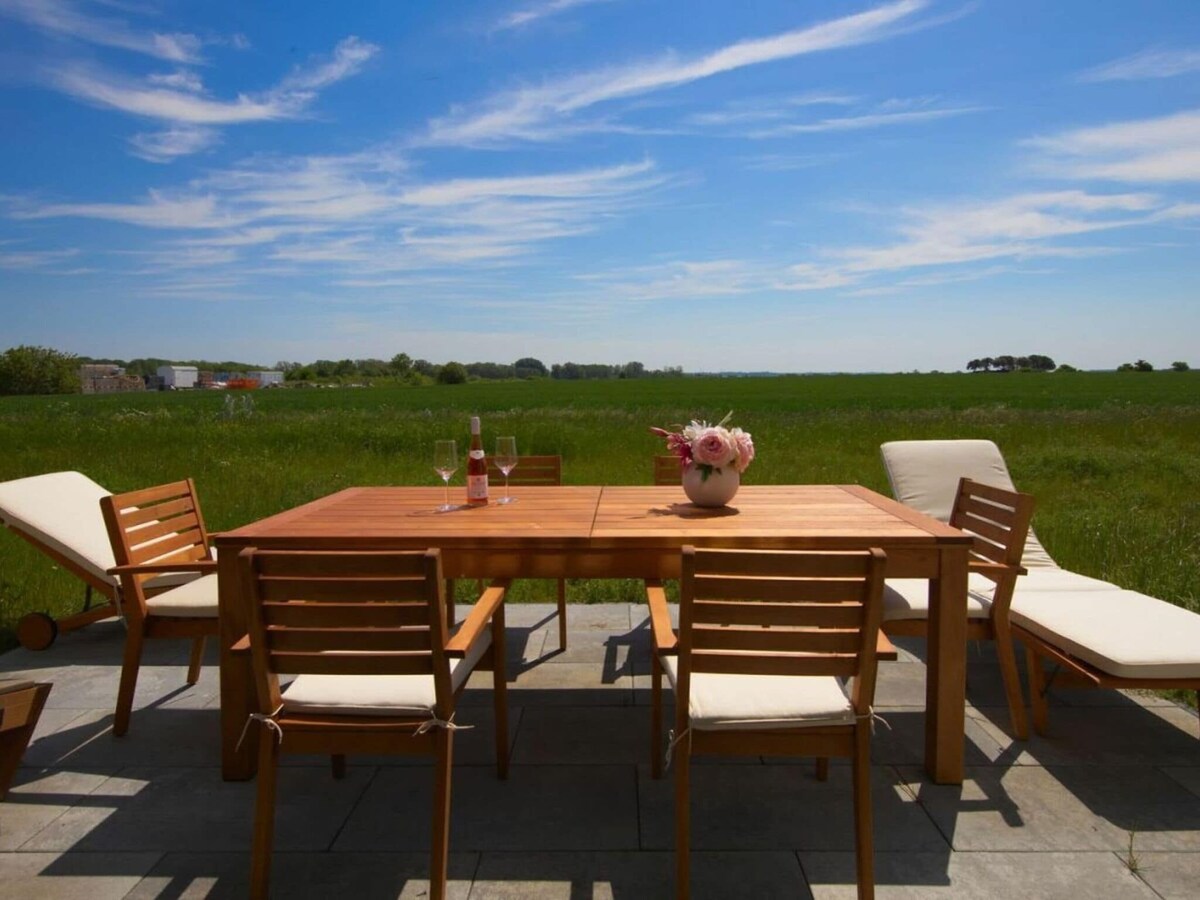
point(788, 186)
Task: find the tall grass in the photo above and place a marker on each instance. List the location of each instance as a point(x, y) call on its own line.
point(1112, 458)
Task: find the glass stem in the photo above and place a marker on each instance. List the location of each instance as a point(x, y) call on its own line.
point(505, 487)
point(446, 484)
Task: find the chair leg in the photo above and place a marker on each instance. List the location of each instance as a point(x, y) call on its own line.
point(134, 639)
point(562, 614)
point(1037, 690)
point(681, 758)
point(264, 818)
point(864, 844)
point(822, 768)
point(196, 661)
point(1012, 684)
point(337, 764)
point(440, 833)
point(656, 711)
point(500, 692)
point(450, 617)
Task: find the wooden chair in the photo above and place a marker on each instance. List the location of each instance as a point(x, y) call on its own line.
point(764, 637)
point(21, 704)
point(667, 470)
point(156, 531)
point(998, 520)
point(366, 635)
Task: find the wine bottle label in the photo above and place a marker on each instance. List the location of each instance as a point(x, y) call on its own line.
point(477, 487)
point(476, 454)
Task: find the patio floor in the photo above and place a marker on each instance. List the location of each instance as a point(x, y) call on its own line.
point(1107, 807)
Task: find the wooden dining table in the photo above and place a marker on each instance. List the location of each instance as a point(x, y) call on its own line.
point(615, 532)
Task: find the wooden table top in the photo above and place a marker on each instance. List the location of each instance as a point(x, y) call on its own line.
point(569, 515)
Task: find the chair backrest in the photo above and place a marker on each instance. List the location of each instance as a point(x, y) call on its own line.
point(345, 613)
point(771, 612)
point(667, 470)
point(530, 470)
point(998, 520)
point(925, 476)
point(59, 513)
point(161, 524)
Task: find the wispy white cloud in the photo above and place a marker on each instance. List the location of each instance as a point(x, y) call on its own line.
point(535, 12)
point(32, 259)
point(1164, 149)
point(1152, 63)
point(62, 17)
point(741, 112)
point(159, 210)
point(545, 112)
point(164, 146)
point(863, 122)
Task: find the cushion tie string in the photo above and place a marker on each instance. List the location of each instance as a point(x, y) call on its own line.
point(434, 722)
point(873, 717)
point(672, 740)
point(268, 719)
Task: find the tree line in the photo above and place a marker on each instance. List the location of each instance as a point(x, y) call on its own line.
point(1034, 362)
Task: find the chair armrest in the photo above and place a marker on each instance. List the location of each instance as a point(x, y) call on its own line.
point(885, 650)
point(995, 570)
point(194, 565)
point(665, 640)
point(241, 646)
point(472, 627)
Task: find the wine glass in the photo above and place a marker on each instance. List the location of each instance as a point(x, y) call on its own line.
point(506, 461)
point(445, 463)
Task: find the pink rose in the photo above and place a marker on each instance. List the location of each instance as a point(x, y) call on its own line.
point(713, 447)
point(745, 449)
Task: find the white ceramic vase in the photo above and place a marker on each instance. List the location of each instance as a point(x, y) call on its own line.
point(715, 490)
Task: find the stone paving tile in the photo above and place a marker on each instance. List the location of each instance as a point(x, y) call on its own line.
point(167, 735)
point(72, 876)
point(38, 797)
point(601, 644)
point(1061, 808)
point(557, 684)
point(977, 876)
point(303, 876)
point(171, 808)
point(635, 876)
point(539, 808)
point(582, 735)
point(1189, 777)
point(782, 807)
point(1175, 876)
point(1125, 735)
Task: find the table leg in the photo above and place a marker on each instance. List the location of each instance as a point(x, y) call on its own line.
point(238, 763)
point(946, 679)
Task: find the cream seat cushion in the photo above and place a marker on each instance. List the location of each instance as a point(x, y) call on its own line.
point(908, 598)
point(194, 600)
point(729, 702)
point(62, 511)
point(925, 476)
point(377, 695)
point(1123, 633)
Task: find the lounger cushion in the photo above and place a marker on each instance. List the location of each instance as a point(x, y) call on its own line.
point(196, 599)
point(376, 695)
point(1042, 580)
point(62, 511)
point(729, 702)
point(908, 598)
point(925, 476)
point(1123, 633)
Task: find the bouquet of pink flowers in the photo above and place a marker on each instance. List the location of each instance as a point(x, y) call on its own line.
point(710, 447)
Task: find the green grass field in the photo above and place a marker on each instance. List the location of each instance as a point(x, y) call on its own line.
point(1112, 458)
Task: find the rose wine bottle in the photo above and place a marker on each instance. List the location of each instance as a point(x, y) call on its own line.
point(477, 478)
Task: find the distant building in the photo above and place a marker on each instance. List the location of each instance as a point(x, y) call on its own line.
point(266, 379)
point(178, 377)
point(104, 378)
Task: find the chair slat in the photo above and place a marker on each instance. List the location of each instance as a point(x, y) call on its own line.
point(156, 494)
point(530, 470)
point(161, 526)
point(809, 590)
point(774, 563)
point(304, 663)
point(344, 615)
point(989, 551)
point(299, 564)
point(166, 547)
point(738, 662)
point(346, 589)
point(988, 492)
point(667, 470)
point(137, 516)
point(811, 640)
point(826, 615)
point(348, 639)
point(993, 532)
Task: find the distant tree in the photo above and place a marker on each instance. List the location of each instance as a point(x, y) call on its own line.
point(987, 363)
point(632, 370)
point(424, 367)
point(1142, 366)
point(401, 364)
point(1125, 367)
point(452, 373)
point(1022, 362)
point(1179, 366)
point(1066, 367)
point(973, 365)
point(1041, 363)
point(528, 367)
point(324, 368)
point(38, 370)
point(1004, 363)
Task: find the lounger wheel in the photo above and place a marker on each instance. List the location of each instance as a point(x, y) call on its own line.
point(36, 631)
